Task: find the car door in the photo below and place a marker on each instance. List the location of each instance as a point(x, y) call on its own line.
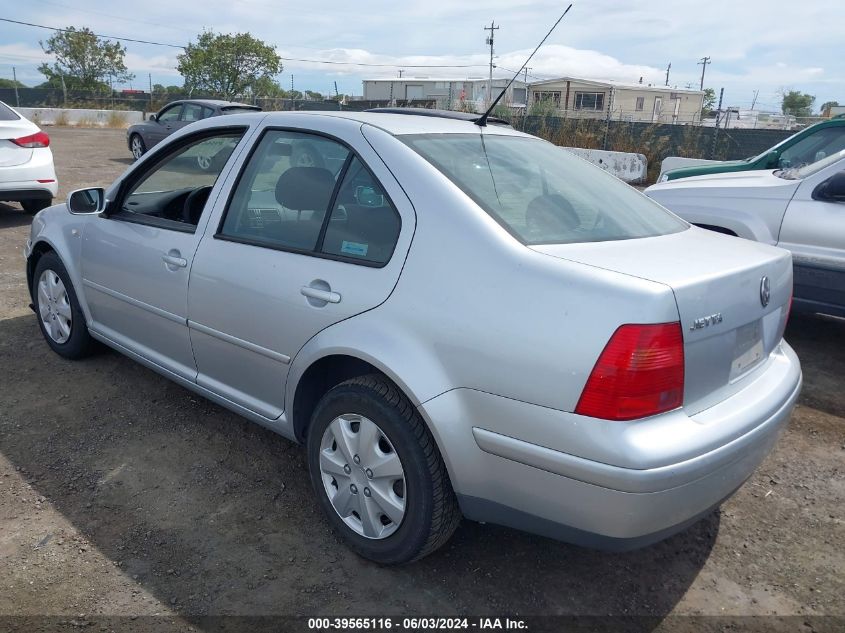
point(135, 261)
point(814, 230)
point(298, 247)
point(167, 122)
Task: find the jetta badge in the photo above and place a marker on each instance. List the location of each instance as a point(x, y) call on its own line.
point(765, 291)
point(707, 321)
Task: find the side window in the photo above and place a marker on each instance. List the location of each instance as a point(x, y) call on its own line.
point(363, 224)
point(813, 148)
point(171, 113)
point(206, 112)
point(173, 193)
point(191, 112)
point(284, 192)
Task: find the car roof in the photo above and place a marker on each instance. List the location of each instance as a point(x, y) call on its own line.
point(211, 102)
point(398, 124)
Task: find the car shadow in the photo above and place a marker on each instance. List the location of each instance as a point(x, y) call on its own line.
point(213, 515)
point(13, 215)
point(123, 161)
point(819, 341)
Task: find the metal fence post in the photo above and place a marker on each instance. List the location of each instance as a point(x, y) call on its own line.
point(716, 128)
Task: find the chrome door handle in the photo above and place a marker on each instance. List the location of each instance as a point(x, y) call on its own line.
point(320, 295)
point(172, 260)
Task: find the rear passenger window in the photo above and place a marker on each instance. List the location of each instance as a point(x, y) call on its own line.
point(283, 196)
point(363, 224)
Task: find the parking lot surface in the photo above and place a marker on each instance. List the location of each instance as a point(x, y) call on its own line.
point(124, 494)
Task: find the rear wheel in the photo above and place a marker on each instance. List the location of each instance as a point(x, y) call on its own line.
point(59, 315)
point(136, 144)
point(377, 472)
point(34, 206)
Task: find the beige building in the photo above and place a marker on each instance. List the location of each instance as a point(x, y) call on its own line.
point(449, 94)
point(587, 98)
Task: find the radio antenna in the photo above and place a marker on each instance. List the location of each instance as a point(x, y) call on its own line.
point(482, 120)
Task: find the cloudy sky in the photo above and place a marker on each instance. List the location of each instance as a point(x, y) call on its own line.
point(765, 45)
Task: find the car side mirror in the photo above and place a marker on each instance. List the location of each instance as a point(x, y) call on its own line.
point(87, 201)
point(832, 189)
point(152, 117)
point(773, 160)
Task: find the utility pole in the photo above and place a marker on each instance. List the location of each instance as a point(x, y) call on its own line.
point(668, 68)
point(754, 100)
point(15, 82)
point(526, 87)
point(703, 63)
point(492, 28)
point(400, 73)
point(150, 78)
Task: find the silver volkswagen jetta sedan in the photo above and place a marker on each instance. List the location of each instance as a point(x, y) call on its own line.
point(455, 320)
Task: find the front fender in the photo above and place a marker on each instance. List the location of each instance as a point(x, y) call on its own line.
point(61, 231)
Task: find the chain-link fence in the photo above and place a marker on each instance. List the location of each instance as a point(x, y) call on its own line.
point(153, 102)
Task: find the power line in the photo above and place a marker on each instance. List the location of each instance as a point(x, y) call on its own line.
point(287, 59)
point(108, 37)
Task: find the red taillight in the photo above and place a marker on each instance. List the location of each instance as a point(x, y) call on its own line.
point(639, 373)
point(39, 139)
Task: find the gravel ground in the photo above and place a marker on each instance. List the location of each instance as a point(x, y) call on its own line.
point(122, 494)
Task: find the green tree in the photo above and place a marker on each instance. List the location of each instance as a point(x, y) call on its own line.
point(708, 102)
point(227, 65)
point(797, 104)
point(268, 87)
point(85, 61)
point(315, 96)
point(826, 106)
point(9, 83)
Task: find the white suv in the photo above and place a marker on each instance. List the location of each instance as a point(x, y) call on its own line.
point(27, 174)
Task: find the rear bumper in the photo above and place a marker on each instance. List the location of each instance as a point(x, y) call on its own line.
point(27, 181)
point(505, 472)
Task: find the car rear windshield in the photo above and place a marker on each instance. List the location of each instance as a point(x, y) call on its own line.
point(7, 114)
point(541, 193)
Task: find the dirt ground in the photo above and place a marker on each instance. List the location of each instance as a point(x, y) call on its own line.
point(122, 494)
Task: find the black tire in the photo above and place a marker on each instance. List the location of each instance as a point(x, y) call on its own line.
point(79, 344)
point(431, 510)
point(34, 206)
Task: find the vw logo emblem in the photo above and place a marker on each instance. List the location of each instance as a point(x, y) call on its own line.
point(765, 291)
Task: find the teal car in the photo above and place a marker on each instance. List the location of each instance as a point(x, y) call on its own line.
point(805, 147)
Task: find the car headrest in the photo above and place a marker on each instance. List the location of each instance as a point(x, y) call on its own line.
point(301, 188)
point(552, 208)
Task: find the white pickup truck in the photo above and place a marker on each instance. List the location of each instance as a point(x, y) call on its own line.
point(800, 209)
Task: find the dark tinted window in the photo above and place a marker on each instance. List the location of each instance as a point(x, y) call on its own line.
point(7, 114)
point(363, 225)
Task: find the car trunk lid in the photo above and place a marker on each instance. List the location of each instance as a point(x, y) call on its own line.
point(729, 326)
point(11, 154)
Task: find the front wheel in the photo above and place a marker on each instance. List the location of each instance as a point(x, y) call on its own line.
point(378, 474)
point(136, 144)
point(59, 315)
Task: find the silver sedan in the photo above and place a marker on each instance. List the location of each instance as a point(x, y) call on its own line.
point(454, 319)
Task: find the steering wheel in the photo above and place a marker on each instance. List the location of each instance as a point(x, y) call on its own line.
point(194, 203)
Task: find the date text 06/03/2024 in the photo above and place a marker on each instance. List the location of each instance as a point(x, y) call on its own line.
point(416, 624)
